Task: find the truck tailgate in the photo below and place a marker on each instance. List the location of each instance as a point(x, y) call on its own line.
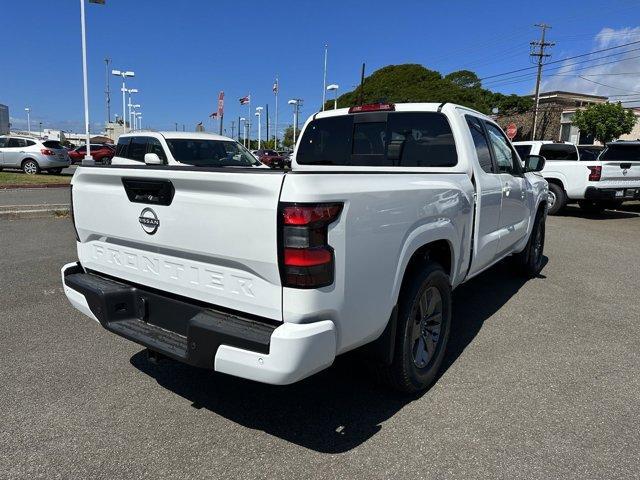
point(214, 240)
point(621, 172)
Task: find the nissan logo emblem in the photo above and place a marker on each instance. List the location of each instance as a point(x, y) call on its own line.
point(625, 171)
point(149, 221)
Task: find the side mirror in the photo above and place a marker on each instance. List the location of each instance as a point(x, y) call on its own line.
point(534, 163)
point(152, 159)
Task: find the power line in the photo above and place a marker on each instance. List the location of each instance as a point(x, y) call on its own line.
point(608, 86)
point(528, 75)
point(563, 60)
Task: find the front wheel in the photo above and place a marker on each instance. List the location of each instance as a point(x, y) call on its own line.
point(530, 260)
point(424, 319)
point(557, 199)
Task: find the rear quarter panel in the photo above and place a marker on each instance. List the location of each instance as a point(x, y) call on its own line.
point(386, 218)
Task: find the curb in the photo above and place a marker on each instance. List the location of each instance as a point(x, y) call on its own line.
point(61, 211)
point(21, 186)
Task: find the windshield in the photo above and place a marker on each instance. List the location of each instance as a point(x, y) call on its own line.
point(210, 153)
point(629, 152)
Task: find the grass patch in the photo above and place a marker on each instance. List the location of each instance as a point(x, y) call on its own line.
point(16, 178)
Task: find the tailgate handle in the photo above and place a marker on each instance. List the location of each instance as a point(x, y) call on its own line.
point(625, 165)
point(154, 192)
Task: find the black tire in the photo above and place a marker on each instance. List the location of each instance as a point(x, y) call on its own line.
point(30, 166)
point(557, 199)
point(410, 371)
point(591, 206)
point(530, 261)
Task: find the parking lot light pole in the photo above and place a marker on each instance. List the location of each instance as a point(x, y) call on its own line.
point(28, 110)
point(296, 106)
point(244, 130)
point(139, 115)
point(124, 75)
point(334, 87)
point(259, 115)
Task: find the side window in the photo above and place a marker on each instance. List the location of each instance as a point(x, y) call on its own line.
point(121, 148)
point(154, 146)
point(16, 143)
point(481, 143)
point(3, 142)
point(559, 151)
point(504, 155)
point(137, 149)
point(30, 143)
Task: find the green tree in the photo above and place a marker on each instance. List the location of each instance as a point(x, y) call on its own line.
point(605, 121)
point(464, 79)
point(287, 141)
point(415, 83)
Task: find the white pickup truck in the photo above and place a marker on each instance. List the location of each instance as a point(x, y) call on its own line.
point(606, 182)
point(269, 274)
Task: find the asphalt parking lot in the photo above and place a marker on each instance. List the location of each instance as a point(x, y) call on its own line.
point(541, 381)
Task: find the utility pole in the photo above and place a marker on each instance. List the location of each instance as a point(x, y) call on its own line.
point(107, 92)
point(233, 128)
point(537, 50)
point(324, 76)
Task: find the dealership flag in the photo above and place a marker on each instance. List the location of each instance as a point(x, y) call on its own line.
point(221, 104)
point(245, 100)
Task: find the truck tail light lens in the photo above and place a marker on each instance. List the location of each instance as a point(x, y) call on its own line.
point(595, 173)
point(373, 107)
point(306, 258)
point(46, 151)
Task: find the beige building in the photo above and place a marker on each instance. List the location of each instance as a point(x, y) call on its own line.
point(555, 117)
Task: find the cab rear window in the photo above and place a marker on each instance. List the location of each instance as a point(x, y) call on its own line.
point(629, 152)
point(559, 151)
point(394, 139)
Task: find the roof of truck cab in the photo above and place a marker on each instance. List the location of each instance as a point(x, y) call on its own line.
point(402, 107)
point(172, 134)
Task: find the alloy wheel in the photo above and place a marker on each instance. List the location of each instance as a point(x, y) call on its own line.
point(427, 327)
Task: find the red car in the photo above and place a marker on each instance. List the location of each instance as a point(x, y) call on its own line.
point(100, 152)
point(271, 158)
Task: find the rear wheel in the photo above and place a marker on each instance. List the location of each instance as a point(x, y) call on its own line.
point(30, 167)
point(557, 199)
point(424, 318)
point(591, 206)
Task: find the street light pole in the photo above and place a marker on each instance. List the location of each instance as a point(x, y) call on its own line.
point(324, 77)
point(334, 87)
point(124, 74)
point(85, 83)
point(296, 102)
point(28, 110)
point(259, 115)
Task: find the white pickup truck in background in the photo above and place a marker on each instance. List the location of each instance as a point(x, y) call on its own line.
point(606, 182)
point(269, 274)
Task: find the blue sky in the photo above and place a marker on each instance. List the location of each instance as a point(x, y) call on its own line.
point(185, 52)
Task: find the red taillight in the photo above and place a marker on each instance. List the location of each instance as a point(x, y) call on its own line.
point(373, 107)
point(306, 214)
point(46, 151)
point(306, 259)
point(595, 173)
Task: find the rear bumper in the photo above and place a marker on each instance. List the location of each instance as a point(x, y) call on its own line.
point(621, 193)
point(198, 335)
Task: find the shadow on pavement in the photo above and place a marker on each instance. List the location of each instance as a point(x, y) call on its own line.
point(338, 409)
point(624, 212)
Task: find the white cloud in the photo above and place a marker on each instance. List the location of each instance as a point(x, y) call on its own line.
point(615, 76)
